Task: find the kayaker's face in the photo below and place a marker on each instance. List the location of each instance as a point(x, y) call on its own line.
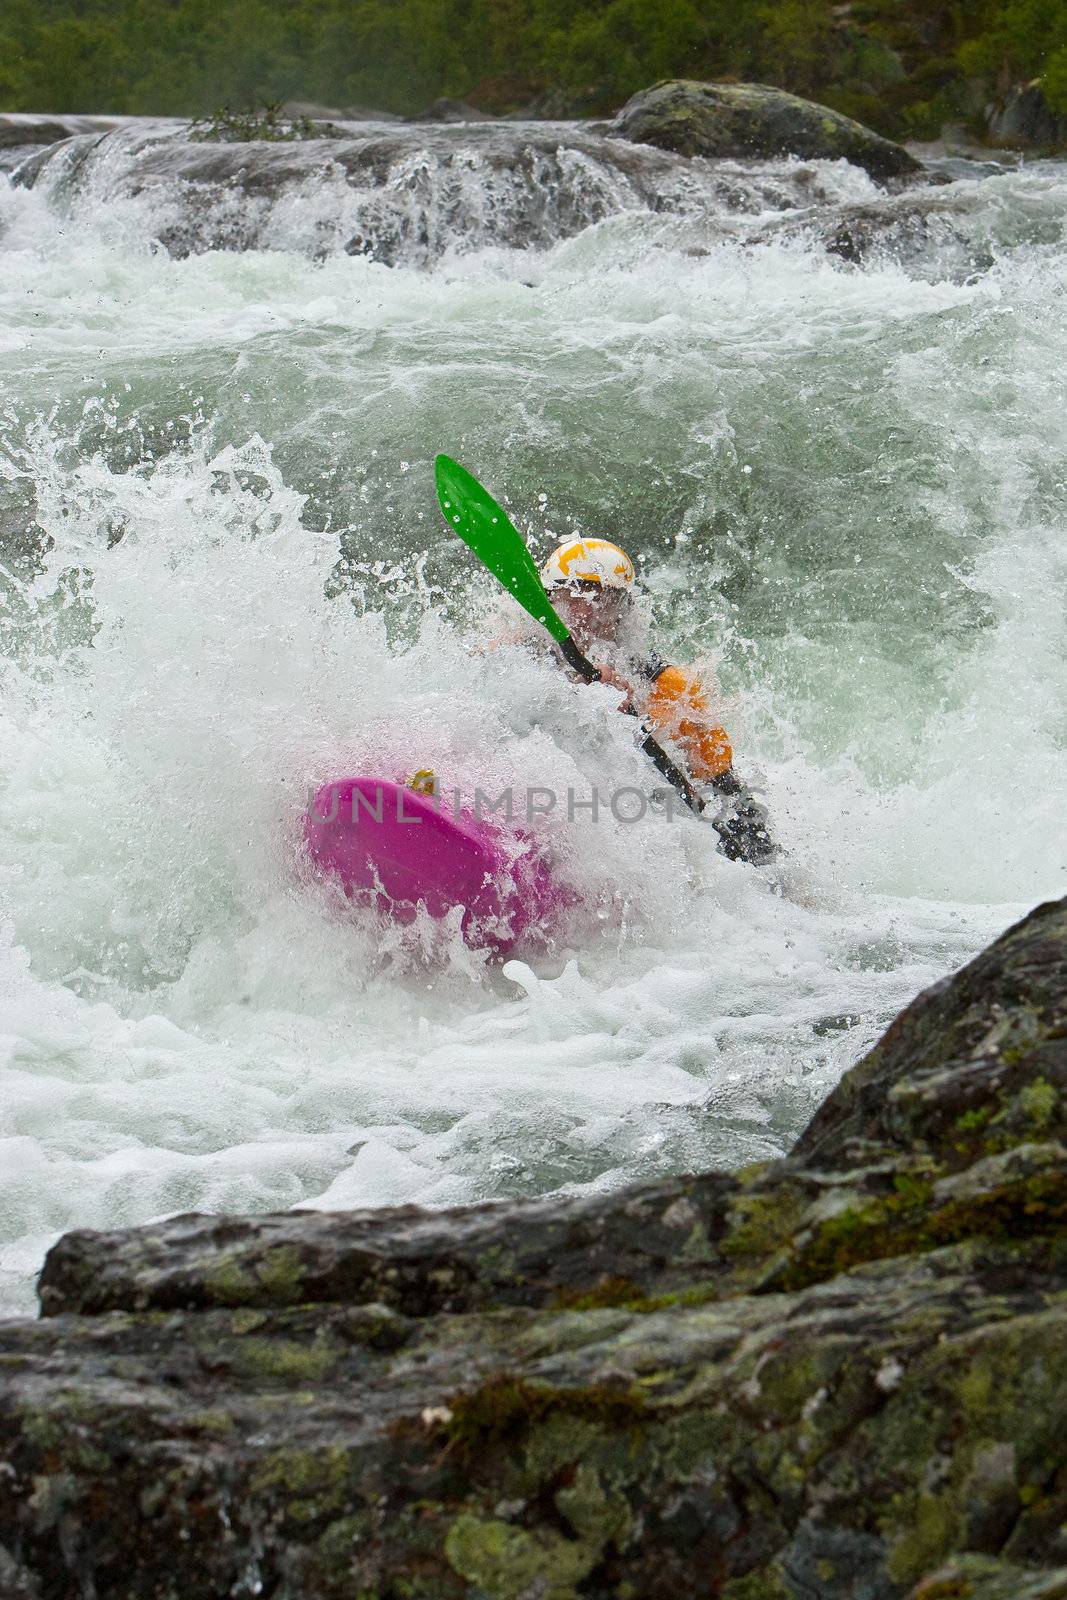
point(593, 614)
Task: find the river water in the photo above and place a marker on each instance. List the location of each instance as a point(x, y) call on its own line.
point(224, 580)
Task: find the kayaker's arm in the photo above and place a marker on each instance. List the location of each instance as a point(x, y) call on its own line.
point(617, 681)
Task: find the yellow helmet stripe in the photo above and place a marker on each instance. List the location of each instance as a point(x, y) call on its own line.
point(590, 548)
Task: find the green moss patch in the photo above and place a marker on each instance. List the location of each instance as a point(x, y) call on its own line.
point(505, 1407)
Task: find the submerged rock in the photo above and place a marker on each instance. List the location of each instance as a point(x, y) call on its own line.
point(840, 1375)
point(750, 119)
point(928, 230)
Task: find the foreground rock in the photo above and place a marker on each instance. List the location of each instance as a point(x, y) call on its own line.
point(840, 1376)
point(752, 120)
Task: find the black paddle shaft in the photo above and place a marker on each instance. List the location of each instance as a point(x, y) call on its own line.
point(650, 745)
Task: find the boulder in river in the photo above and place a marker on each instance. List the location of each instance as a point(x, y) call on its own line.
point(836, 1376)
point(750, 119)
point(928, 229)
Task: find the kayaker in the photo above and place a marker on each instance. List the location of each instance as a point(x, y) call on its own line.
point(591, 582)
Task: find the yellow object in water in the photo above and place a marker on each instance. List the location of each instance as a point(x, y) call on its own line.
point(595, 561)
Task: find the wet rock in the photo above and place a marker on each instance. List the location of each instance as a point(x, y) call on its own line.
point(980, 1578)
point(19, 128)
point(21, 134)
point(534, 1253)
point(392, 193)
point(974, 1066)
point(1026, 121)
point(841, 1375)
point(824, 1443)
point(405, 194)
point(929, 230)
point(752, 120)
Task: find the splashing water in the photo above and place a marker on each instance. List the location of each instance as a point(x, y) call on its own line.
point(224, 581)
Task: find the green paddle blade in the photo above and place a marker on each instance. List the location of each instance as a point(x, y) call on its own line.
point(485, 527)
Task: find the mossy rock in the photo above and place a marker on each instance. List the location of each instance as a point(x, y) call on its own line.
point(841, 1376)
point(752, 120)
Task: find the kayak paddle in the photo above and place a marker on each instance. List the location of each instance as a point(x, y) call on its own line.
point(472, 513)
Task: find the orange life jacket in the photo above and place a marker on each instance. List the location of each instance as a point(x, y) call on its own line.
point(677, 705)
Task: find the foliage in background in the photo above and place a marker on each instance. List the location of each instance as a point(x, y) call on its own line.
point(901, 65)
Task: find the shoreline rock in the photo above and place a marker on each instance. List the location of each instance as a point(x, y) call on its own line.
point(1026, 121)
point(839, 1375)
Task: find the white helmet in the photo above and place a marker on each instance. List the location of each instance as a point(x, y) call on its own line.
point(588, 561)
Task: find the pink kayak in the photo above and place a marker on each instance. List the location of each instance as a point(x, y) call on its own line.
point(396, 848)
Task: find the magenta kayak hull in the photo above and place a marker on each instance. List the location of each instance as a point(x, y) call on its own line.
point(397, 850)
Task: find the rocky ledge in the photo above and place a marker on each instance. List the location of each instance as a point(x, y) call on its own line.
point(842, 1376)
point(407, 194)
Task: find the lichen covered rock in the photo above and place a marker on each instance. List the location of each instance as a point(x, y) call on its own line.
point(750, 119)
point(974, 1066)
point(842, 1375)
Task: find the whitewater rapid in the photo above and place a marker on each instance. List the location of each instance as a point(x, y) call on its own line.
point(223, 580)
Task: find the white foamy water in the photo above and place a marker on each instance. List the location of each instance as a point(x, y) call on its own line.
point(845, 489)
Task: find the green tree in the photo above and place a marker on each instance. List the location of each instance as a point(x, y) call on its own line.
point(902, 64)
